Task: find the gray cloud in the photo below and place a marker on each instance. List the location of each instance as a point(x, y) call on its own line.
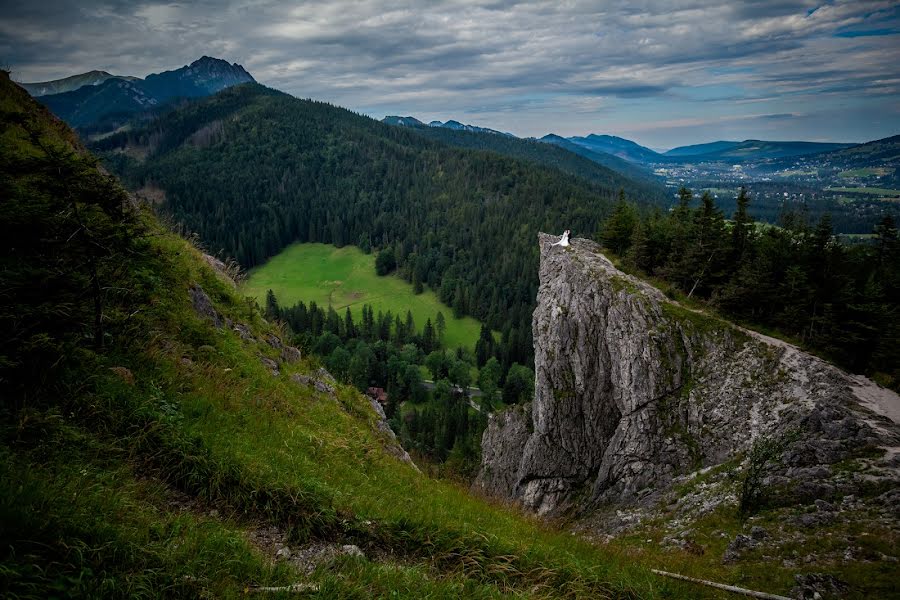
point(527, 67)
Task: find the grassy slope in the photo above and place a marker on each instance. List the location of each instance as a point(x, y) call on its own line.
point(346, 277)
point(94, 467)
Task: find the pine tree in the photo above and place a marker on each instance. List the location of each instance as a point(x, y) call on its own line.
point(741, 230)
point(484, 347)
point(272, 311)
point(428, 338)
point(618, 228)
point(441, 324)
point(349, 327)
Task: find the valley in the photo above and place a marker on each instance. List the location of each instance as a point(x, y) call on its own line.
point(345, 277)
point(260, 337)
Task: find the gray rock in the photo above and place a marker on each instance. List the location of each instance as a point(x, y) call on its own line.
point(313, 382)
point(632, 390)
point(351, 550)
point(758, 533)
point(243, 331)
point(203, 306)
point(270, 364)
point(740, 544)
point(502, 445)
point(323, 374)
point(290, 355)
point(392, 446)
point(824, 506)
point(819, 585)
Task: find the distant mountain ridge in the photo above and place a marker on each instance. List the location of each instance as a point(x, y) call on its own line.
point(695, 149)
point(625, 149)
point(450, 124)
point(68, 84)
point(567, 156)
point(92, 103)
point(610, 161)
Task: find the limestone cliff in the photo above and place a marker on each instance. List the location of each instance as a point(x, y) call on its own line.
point(633, 390)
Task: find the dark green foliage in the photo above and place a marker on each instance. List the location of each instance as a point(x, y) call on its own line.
point(519, 386)
point(596, 167)
point(390, 356)
point(462, 222)
point(385, 262)
point(489, 379)
point(619, 227)
point(64, 227)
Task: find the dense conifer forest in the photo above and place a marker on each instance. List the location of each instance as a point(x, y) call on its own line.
point(252, 170)
point(388, 353)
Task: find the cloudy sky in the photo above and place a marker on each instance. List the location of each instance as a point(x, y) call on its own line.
point(661, 73)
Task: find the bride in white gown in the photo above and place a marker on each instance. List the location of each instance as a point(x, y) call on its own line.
point(563, 241)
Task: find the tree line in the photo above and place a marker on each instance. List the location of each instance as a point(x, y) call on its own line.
point(797, 278)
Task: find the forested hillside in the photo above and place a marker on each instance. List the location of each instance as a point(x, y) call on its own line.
point(606, 170)
point(158, 439)
point(252, 170)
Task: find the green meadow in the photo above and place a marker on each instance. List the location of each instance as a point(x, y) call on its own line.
point(346, 277)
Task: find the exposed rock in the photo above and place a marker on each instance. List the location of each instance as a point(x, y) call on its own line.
point(815, 586)
point(392, 446)
point(203, 306)
point(323, 374)
point(824, 506)
point(506, 434)
point(306, 558)
point(633, 390)
point(274, 341)
point(758, 533)
point(290, 355)
point(220, 268)
point(351, 550)
point(271, 365)
point(243, 331)
point(314, 382)
point(740, 544)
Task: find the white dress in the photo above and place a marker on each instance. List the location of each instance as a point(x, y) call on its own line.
point(563, 241)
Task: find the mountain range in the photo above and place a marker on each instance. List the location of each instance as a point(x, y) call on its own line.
point(622, 154)
point(68, 84)
point(450, 124)
point(102, 96)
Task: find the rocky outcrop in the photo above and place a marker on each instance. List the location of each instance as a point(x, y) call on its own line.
point(633, 390)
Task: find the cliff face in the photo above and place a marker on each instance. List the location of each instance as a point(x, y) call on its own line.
point(633, 390)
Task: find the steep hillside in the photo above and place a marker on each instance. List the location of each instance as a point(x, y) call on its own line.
point(159, 438)
point(638, 400)
point(252, 170)
point(89, 105)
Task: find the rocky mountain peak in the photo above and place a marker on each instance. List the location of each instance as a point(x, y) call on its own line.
point(633, 390)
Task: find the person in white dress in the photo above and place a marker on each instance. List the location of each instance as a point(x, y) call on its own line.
point(563, 241)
